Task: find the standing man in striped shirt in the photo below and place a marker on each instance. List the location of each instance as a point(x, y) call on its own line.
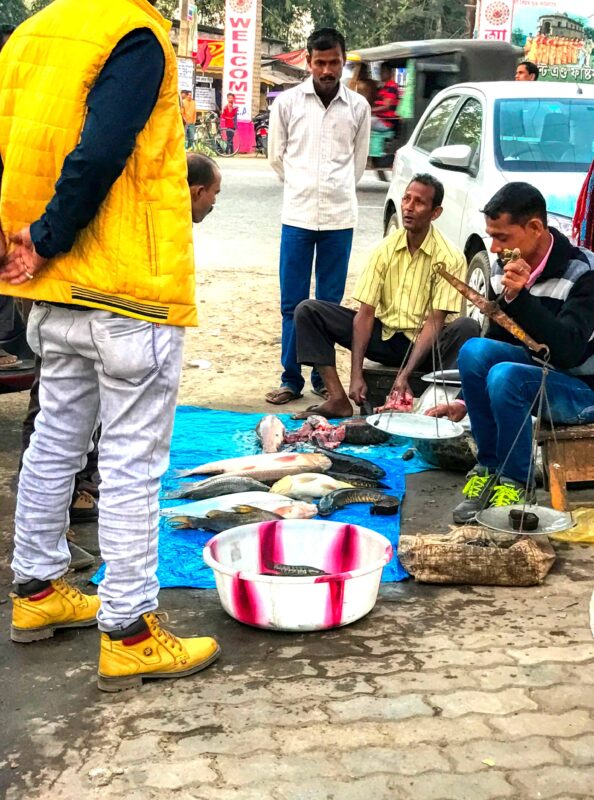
point(318, 145)
point(404, 310)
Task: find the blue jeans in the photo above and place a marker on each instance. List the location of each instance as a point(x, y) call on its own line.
point(332, 253)
point(190, 135)
point(500, 383)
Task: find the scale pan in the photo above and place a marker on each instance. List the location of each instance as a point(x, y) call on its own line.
point(549, 520)
point(451, 377)
point(416, 426)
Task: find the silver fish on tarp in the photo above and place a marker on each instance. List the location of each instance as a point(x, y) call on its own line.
point(218, 521)
point(271, 433)
point(215, 487)
point(264, 467)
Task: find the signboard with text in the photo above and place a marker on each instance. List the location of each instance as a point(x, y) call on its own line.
point(558, 35)
point(495, 20)
point(204, 95)
point(240, 47)
point(185, 74)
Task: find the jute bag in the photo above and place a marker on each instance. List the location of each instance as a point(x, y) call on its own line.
point(475, 555)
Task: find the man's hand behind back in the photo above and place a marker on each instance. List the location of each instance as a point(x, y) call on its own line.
point(23, 263)
point(2, 248)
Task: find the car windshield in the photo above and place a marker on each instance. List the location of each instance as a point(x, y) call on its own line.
point(544, 135)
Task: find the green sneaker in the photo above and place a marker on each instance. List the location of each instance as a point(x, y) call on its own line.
point(477, 492)
point(510, 493)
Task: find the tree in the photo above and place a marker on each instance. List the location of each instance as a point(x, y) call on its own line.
point(13, 12)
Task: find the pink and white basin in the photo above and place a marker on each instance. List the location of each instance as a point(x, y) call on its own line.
point(352, 556)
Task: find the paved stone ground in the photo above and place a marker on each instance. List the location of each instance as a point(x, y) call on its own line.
point(442, 692)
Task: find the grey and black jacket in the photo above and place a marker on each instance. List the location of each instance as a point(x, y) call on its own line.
point(558, 310)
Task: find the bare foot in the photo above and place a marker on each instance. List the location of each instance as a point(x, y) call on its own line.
point(331, 409)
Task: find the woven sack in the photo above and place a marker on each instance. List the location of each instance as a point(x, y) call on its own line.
point(475, 555)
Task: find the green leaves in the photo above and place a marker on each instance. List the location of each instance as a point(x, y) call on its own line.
point(13, 12)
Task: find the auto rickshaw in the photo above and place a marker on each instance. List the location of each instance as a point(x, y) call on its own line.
point(430, 66)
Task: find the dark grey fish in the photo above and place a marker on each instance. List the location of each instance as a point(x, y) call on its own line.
point(218, 521)
point(215, 487)
point(296, 571)
point(342, 497)
point(358, 480)
point(358, 431)
point(352, 465)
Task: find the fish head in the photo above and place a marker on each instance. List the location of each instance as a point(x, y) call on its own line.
point(282, 486)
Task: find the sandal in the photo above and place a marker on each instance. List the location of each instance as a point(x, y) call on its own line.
point(279, 397)
point(323, 392)
point(7, 360)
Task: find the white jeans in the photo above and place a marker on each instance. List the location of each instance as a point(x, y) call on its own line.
point(124, 373)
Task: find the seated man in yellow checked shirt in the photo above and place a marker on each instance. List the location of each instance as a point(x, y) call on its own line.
point(394, 291)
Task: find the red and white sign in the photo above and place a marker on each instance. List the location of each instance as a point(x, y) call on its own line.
point(240, 49)
point(495, 20)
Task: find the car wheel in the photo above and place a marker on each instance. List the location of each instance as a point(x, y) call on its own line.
point(477, 277)
point(392, 225)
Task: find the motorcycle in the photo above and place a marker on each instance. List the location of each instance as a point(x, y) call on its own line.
point(261, 130)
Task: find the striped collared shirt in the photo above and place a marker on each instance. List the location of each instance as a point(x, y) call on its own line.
point(398, 285)
point(320, 153)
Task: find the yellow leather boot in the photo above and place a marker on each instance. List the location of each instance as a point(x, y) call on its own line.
point(146, 650)
point(58, 605)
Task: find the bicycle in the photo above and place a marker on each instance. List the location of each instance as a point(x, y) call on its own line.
point(209, 140)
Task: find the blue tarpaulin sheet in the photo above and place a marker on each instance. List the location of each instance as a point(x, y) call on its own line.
point(201, 435)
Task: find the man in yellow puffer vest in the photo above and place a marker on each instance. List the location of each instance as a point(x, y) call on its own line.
point(95, 225)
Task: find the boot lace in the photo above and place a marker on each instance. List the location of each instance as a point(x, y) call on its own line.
point(505, 494)
point(163, 635)
point(474, 486)
point(68, 589)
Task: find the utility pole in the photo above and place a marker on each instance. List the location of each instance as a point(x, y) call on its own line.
point(471, 9)
point(184, 30)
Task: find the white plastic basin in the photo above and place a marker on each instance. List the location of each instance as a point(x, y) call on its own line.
point(352, 556)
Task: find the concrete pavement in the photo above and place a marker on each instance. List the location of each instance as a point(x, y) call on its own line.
point(441, 693)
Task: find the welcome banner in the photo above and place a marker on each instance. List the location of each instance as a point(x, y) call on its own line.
point(240, 49)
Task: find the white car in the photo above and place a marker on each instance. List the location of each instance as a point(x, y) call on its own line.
point(476, 137)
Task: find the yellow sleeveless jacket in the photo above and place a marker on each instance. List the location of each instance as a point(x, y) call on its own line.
point(136, 257)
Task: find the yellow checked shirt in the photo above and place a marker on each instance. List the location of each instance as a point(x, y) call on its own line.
point(398, 285)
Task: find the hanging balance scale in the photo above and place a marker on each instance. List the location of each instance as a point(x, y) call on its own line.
point(522, 519)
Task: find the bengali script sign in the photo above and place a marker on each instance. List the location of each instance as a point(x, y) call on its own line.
point(495, 20)
point(240, 48)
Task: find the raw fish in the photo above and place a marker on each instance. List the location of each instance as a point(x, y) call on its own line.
point(271, 433)
point(317, 430)
point(214, 487)
point(308, 485)
point(358, 431)
point(264, 467)
point(218, 521)
point(357, 480)
point(351, 465)
point(278, 504)
point(294, 571)
point(384, 504)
